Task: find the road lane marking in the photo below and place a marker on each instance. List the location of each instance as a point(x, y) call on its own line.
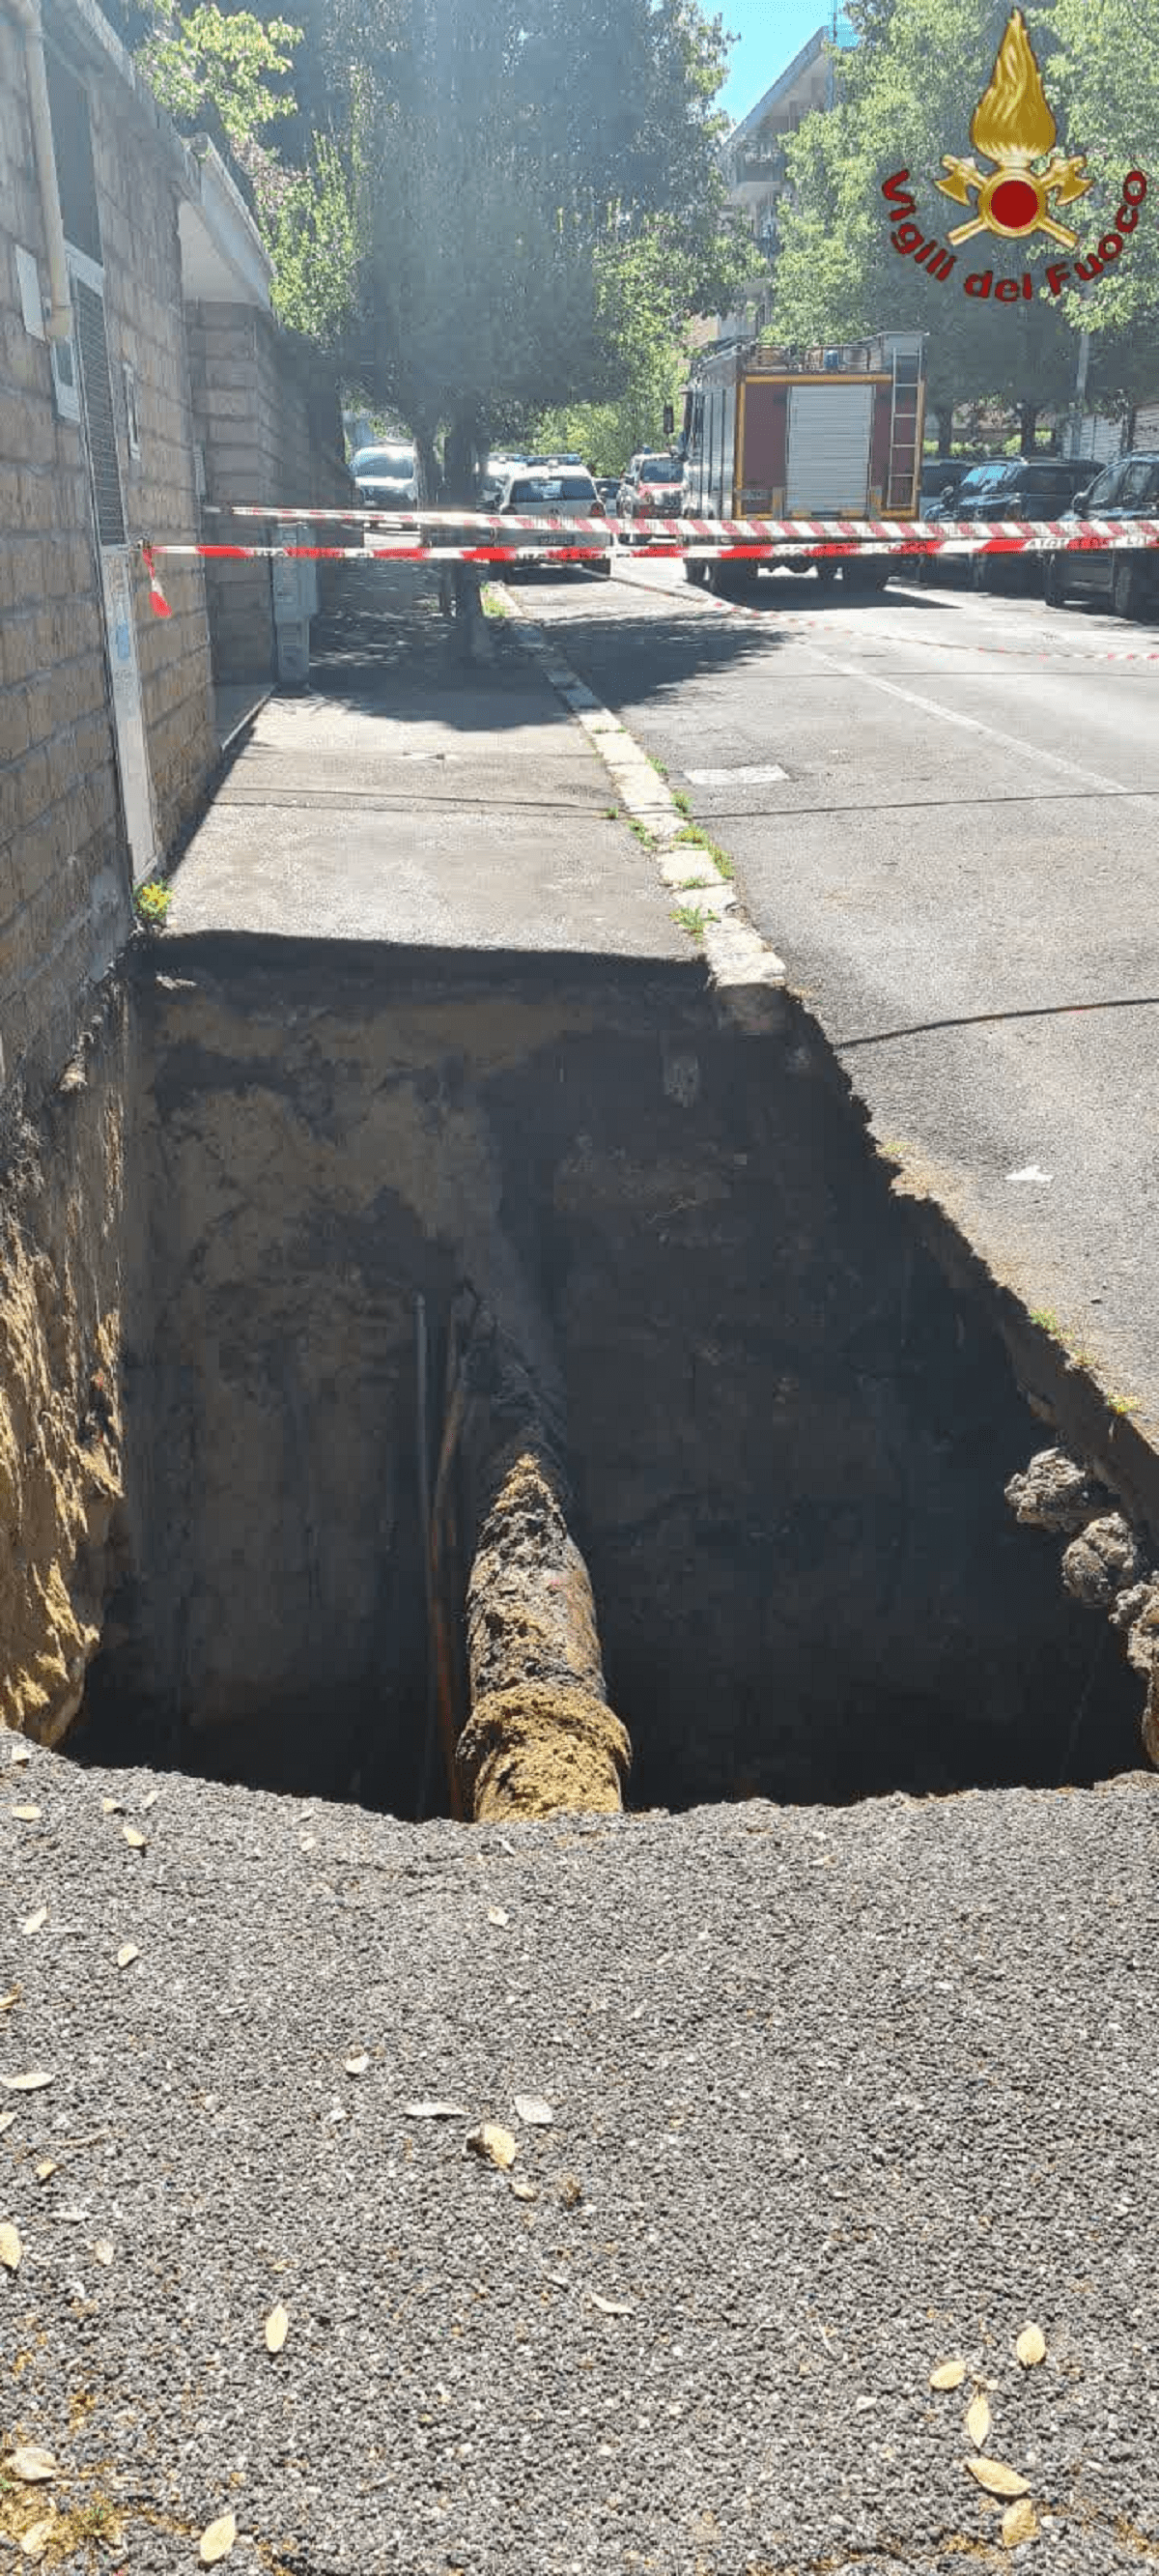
point(974, 724)
point(796, 618)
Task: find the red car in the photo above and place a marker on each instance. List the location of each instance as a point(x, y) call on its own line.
point(652, 488)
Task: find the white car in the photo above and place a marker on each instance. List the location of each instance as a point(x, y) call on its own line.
point(387, 476)
point(557, 492)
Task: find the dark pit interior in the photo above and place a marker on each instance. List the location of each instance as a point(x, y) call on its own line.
point(788, 1436)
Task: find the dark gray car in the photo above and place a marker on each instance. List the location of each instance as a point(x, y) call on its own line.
point(1009, 487)
point(1126, 581)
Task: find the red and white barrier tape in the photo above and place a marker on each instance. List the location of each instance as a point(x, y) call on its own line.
point(157, 600)
point(1052, 532)
point(797, 544)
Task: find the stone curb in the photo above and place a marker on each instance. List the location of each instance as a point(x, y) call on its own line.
point(748, 978)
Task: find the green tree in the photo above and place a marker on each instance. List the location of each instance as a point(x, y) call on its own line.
point(907, 95)
point(228, 62)
point(647, 291)
point(490, 207)
point(1108, 67)
point(235, 69)
point(526, 212)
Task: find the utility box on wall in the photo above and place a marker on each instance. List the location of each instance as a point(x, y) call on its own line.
point(295, 599)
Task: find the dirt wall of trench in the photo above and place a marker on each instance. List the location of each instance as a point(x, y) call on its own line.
point(788, 1436)
point(65, 1254)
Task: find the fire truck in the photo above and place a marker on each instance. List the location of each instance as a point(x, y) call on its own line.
point(821, 434)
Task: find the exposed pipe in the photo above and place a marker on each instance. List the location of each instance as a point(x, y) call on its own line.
point(541, 1739)
point(58, 323)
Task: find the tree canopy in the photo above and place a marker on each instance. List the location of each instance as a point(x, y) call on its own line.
point(536, 193)
point(487, 207)
point(906, 97)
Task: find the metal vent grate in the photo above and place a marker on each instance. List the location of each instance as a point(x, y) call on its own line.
point(98, 401)
point(73, 152)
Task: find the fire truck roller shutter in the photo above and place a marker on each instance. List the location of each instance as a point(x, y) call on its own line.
point(829, 444)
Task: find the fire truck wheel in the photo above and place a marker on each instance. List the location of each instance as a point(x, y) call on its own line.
point(867, 577)
point(732, 580)
point(696, 573)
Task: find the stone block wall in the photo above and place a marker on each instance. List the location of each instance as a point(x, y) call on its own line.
point(64, 881)
point(65, 878)
point(270, 428)
point(145, 318)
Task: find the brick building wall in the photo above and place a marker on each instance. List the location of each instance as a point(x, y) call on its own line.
point(64, 883)
point(270, 427)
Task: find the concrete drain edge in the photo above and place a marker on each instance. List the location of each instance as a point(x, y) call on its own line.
point(749, 980)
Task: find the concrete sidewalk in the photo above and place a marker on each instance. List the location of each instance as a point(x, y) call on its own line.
point(403, 797)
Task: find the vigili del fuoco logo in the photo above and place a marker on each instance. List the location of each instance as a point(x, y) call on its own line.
point(1013, 128)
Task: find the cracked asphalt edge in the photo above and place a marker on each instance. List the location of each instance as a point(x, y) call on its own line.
point(749, 980)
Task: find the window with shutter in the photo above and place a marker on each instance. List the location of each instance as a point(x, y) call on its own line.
point(99, 418)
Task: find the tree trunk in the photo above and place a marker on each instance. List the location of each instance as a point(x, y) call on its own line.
point(430, 477)
point(461, 475)
point(945, 412)
point(1027, 422)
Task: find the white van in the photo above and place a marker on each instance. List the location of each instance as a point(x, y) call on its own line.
point(387, 476)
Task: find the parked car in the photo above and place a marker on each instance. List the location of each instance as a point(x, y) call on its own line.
point(942, 477)
point(566, 492)
point(652, 488)
point(1128, 582)
point(387, 477)
point(1009, 487)
point(494, 476)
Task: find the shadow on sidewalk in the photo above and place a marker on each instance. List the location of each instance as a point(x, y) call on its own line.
point(384, 647)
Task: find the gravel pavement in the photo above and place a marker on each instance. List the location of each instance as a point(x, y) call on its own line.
point(837, 2096)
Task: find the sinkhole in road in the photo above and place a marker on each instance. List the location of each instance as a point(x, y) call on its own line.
point(788, 1436)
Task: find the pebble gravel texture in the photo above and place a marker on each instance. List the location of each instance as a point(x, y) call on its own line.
point(836, 2096)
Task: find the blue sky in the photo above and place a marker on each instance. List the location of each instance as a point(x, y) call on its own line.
point(769, 33)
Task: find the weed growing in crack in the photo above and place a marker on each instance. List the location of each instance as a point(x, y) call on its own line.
point(646, 838)
point(151, 903)
point(682, 802)
point(1076, 1354)
point(609, 813)
point(493, 604)
point(657, 765)
point(692, 918)
point(698, 840)
point(1123, 1405)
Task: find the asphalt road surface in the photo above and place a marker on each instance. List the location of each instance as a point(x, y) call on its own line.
point(835, 2097)
point(960, 868)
